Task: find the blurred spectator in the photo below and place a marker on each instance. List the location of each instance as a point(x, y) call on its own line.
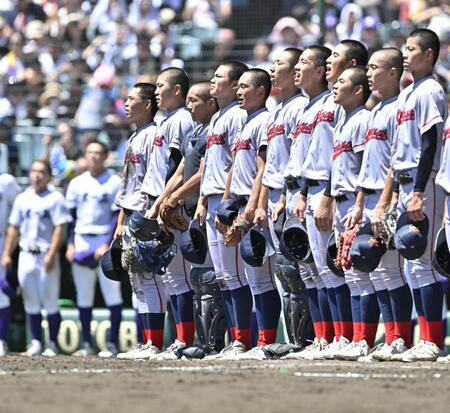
point(287, 32)
point(350, 22)
point(144, 16)
point(105, 16)
point(261, 56)
point(11, 65)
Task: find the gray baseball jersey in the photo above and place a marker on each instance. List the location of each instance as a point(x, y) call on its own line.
point(137, 157)
point(279, 127)
point(306, 121)
point(443, 176)
point(222, 135)
point(378, 142)
point(170, 133)
point(349, 139)
point(252, 137)
point(93, 198)
point(421, 105)
point(36, 215)
point(9, 189)
point(317, 163)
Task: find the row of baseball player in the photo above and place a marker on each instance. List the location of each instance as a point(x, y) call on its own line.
point(319, 155)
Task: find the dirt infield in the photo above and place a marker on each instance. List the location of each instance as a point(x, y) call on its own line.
point(67, 384)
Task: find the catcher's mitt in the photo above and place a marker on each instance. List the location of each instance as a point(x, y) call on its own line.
point(130, 258)
point(343, 259)
point(389, 226)
point(172, 217)
point(237, 231)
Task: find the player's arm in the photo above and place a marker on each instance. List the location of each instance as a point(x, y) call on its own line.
point(175, 158)
point(192, 185)
point(323, 215)
point(118, 233)
point(428, 151)
point(71, 235)
point(281, 204)
point(263, 200)
point(356, 216)
point(11, 241)
point(387, 197)
point(252, 204)
point(55, 244)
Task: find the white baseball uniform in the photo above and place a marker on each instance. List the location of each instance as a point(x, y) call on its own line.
point(93, 199)
point(421, 106)
point(222, 134)
point(9, 189)
point(443, 176)
point(36, 216)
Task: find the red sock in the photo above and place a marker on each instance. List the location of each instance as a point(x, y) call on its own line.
point(328, 331)
point(318, 329)
point(186, 332)
point(368, 331)
point(232, 333)
point(267, 336)
point(422, 327)
point(337, 329)
point(403, 330)
point(155, 336)
point(347, 329)
point(356, 331)
point(389, 331)
point(434, 332)
point(244, 335)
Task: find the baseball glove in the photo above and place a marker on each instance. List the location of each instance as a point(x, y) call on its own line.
point(236, 232)
point(130, 258)
point(389, 226)
point(343, 259)
point(172, 217)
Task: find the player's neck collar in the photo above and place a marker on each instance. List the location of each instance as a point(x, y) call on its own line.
point(422, 79)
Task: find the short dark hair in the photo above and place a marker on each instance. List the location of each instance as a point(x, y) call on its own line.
point(393, 58)
point(427, 39)
point(236, 69)
point(102, 144)
point(356, 50)
point(358, 77)
point(260, 77)
point(177, 76)
point(147, 91)
point(46, 164)
point(320, 56)
point(294, 54)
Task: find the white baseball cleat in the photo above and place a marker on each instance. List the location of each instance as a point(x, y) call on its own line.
point(34, 349)
point(230, 352)
point(443, 360)
point(147, 351)
point(335, 346)
point(50, 350)
point(3, 348)
point(256, 353)
point(111, 350)
point(427, 352)
point(386, 353)
point(353, 352)
point(170, 353)
point(303, 354)
point(317, 354)
point(127, 355)
point(85, 351)
point(406, 353)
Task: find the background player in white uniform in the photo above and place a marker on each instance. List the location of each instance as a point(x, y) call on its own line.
point(90, 197)
point(384, 73)
point(172, 87)
point(421, 112)
point(244, 183)
point(141, 108)
point(9, 189)
point(37, 222)
point(222, 135)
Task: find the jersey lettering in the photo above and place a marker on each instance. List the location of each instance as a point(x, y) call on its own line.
point(340, 148)
point(446, 136)
point(405, 115)
point(215, 139)
point(274, 130)
point(242, 145)
point(377, 134)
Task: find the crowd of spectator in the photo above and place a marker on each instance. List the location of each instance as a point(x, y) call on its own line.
point(65, 65)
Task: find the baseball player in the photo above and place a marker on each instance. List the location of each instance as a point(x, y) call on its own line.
point(384, 73)
point(37, 223)
point(244, 185)
point(9, 189)
point(228, 266)
point(421, 113)
point(172, 87)
point(140, 107)
point(90, 197)
point(442, 179)
point(184, 186)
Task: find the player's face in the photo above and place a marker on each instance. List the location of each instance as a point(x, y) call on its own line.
point(281, 72)
point(39, 176)
point(336, 63)
point(95, 157)
point(135, 105)
point(221, 83)
point(414, 59)
point(164, 93)
point(248, 94)
point(196, 105)
point(377, 73)
point(306, 71)
point(343, 89)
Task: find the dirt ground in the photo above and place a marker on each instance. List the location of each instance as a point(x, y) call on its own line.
point(67, 384)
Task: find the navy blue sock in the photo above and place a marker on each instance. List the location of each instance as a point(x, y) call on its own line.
point(54, 321)
point(116, 318)
point(356, 316)
point(185, 304)
point(85, 321)
point(370, 316)
point(332, 301)
point(174, 303)
point(402, 304)
point(271, 309)
point(432, 301)
point(139, 327)
point(242, 305)
point(420, 314)
point(34, 322)
point(5, 318)
point(325, 311)
point(343, 301)
point(384, 302)
point(229, 313)
point(314, 310)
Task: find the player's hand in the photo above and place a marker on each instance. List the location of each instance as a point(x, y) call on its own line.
point(200, 214)
point(355, 218)
point(324, 215)
point(415, 207)
point(222, 228)
point(49, 261)
point(120, 230)
point(6, 261)
point(249, 214)
point(377, 219)
point(172, 201)
point(69, 252)
point(101, 251)
point(277, 211)
point(300, 207)
point(152, 213)
point(260, 217)
point(163, 226)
